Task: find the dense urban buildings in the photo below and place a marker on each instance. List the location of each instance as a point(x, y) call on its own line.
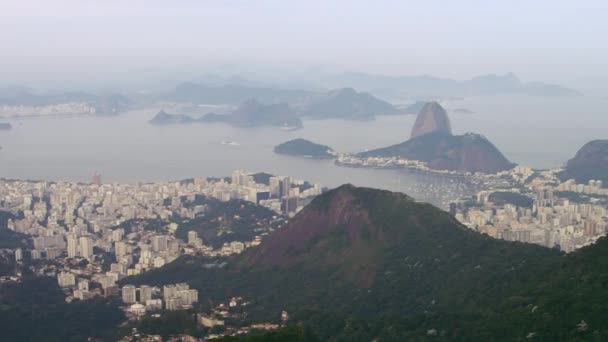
point(540, 209)
point(100, 233)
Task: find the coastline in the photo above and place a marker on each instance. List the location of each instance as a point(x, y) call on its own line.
point(418, 168)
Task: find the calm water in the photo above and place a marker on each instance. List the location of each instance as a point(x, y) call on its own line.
point(532, 131)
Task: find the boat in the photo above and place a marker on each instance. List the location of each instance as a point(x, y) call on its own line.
point(230, 143)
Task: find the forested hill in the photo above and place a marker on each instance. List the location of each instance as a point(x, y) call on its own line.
point(360, 264)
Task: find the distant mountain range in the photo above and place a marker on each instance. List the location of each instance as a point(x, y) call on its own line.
point(425, 86)
point(250, 113)
point(340, 103)
point(360, 264)
point(197, 93)
point(589, 163)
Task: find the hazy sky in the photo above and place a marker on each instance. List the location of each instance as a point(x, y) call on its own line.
point(548, 40)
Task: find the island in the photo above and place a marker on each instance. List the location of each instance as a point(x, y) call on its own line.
point(5, 126)
point(347, 103)
point(304, 148)
point(250, 113)
point(163, 118)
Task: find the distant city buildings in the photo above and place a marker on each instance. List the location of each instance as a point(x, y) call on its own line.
point(79, 226)
point(553, 220)
point(96, 179)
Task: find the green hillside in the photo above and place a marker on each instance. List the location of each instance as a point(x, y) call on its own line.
point(361, 263)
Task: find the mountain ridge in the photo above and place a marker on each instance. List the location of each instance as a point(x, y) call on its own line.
point(469, 152)
point(589, 163)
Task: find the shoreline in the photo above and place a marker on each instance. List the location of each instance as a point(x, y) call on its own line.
point(408, 168)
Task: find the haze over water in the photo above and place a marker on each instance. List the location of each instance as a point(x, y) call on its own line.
point(538, 132)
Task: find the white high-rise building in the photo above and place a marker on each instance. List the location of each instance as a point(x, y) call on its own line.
point(72, 246)
point(188, 297)
point(18, 254)
point(86, 247)
point(129, 294)
point(83, 285)
point(168, 291)
point(145, 293)
point(65, 279)
point(120, 249)
point(159, 243)
point(118, 234)
point(193, 238)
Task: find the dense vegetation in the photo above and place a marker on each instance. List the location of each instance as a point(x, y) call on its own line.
point(221, 222)
point(359, 264)
point(469, 152)
point(507, 197)
point(580, 197)
point(9, 238)
point(35, 310)
point(169, 323)
point(294, 333)
point(304, 148)
point(590, 162)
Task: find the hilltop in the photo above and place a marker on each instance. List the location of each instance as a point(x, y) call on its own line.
point(163, 118)
point(363, 264)
point(254, 113)
point(431, 118)
point(589, 163)
point(432, 142)
point(469, 152)
point(347, 103)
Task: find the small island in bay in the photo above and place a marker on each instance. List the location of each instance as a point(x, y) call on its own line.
point(163, 118)
point(304, 148)
point(5, 126)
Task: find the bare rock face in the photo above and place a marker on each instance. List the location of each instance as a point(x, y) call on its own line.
point(432, 118)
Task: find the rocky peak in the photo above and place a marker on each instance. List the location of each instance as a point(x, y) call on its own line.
point(432, 118)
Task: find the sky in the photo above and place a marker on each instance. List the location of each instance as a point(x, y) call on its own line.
point(542, 40)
